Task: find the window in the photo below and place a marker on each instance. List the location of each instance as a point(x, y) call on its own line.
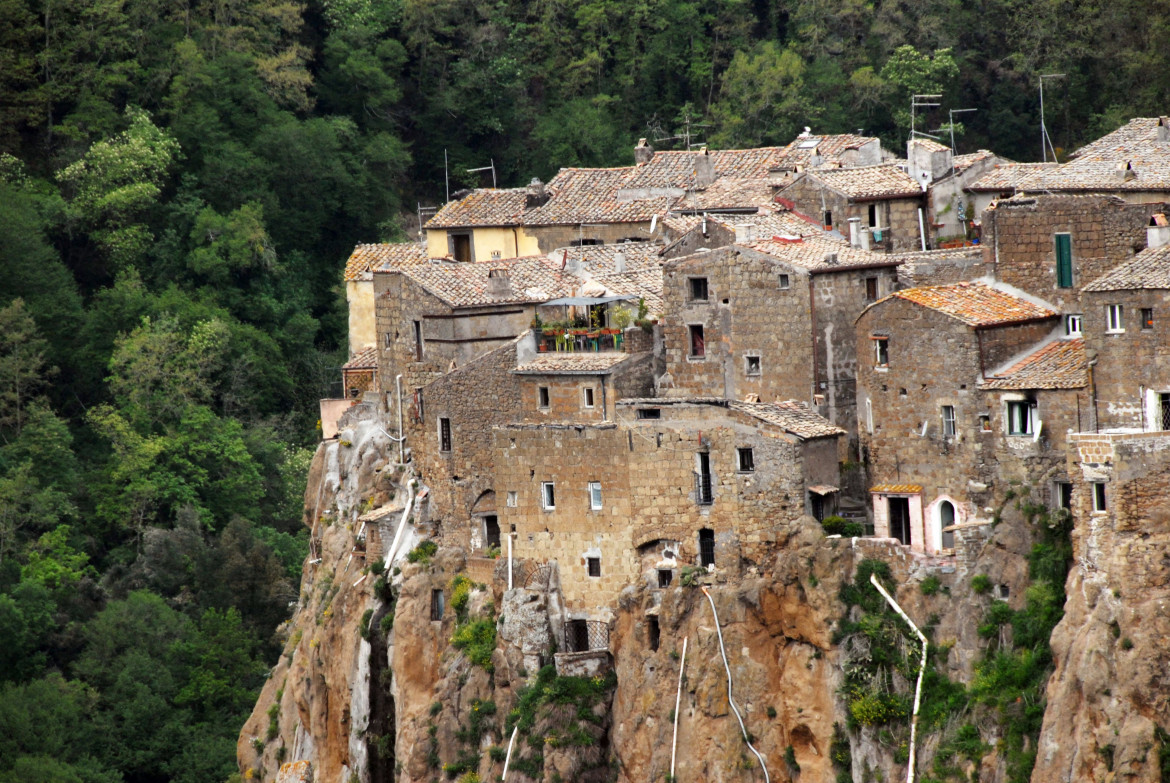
point(1064, 270)
point(418, 403)
point(460, 247)
point(872, 215)
point(784, 281)
point(577, 635)
point(946, 518)
point(704, 492)
point(389, 340)
point(1163, 412)
point(586, 242)
point(512, 499)
point(828, 219)
point(698, 346)
point(698, 289)
point(548, 496)
point(1147, 318)
point(665, 577)
point(1072, 325)
point(745, 460)
point(869, 416)
point(418, 341)
point(594, 565)
point(587, 396)
point(706, 547)
point(1114, 318)
point(1019, 417)
point(817, 503)
point(437, 602)
point(881, 347)
point(752, 365)
point(491, 531)
point(985, 422)
point(948, 421)
point(1098, 497)
point(444, 434)
point(648, 413)
point(595, 495)
point(1062, 495)
point(542, 397)
point(871, 289)
point(653, 633)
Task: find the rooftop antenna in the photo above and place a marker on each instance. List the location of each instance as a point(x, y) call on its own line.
point(920, 102)
point(951, 124)
point(1044, 138)
point(446, 176)
point(491, 168)
point(688, 123)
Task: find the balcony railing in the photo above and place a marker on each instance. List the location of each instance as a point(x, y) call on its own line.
point(594, 340)
point(586, 635)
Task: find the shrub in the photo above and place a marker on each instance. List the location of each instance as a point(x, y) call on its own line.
point(981, 584)
point(853, 530)
point(460, 588)
point(365, 623)
point(790, 760)
point(377, 567)
point(930, 585)
point(833, 525)
point(477, 640)
point(423, 552)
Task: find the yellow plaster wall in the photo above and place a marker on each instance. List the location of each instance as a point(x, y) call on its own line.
point(362, 325)
point(508, 242)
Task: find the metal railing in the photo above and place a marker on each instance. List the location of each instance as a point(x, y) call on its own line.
point(586, 635)
point(704, 492)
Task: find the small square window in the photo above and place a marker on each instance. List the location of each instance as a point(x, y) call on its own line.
point(1072, 325)
point(648, 413)
point(948, 421)
point(548, 496)
point(512, 499)
point(1062, 495)
point(698, 289)
point(752, 365)
point(784, 281)
point(871, 289)
point(595, 495)
point(587, 396)
point(745, 460)
point(1019, 417)
point(881, 351)
point(1099, 505)
point(542, 397)
point(1114, 318)
point(697, 342)
point(594, 564)
point(1147, 318)
point(985, 422)
point(665, 577)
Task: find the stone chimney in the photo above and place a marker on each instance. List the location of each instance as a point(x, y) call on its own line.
point(499, 286)
point(535, 195)
point(863, 237)
point(704, 169)
point(745, 232)
point(854, 237)
point(830, 259)
point(1158, 232)
point(619, 262)
point(643, 152)
point(1163, 130)
point(1125, 172)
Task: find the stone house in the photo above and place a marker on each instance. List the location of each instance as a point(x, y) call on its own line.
point(670, 482)
point(485, 224)
point(962, 389)
point(360, 374)
point(946, 177)
point(1125, 326)
point(1003, 180)
point(720, 230)
point(359, 285)
point(771, 318)
point(1050, 246)
point(885, 199)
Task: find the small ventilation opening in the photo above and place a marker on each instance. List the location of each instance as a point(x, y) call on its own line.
point(654, 632)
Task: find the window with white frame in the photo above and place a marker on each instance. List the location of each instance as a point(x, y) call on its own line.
point(1113, 318)
point(1099, 506)
point(1019, 417)
point(1072, 325)
point(548, 496)
point(512, 499)
point(881, 351)
point(587, 396)
point(948, 421)
point(595, 496)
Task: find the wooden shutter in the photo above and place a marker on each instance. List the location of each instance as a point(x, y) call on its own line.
point(1064, 273)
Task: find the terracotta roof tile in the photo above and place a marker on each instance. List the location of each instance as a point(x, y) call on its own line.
point(531, 279)
point(602, 259)
point(930, 144)
point(816, 254)
point(1059, 364)
point(1130, 158)
point(644, 283)
point(965, 161)
point(832, 149)
point(482, 207)
point(367, 257)
point(591, 196)
point(791, 415)
point(362, 360)
point(897, 489)
point(1148, 269)
point(729, 193)
point(976, 304)
point(1008, 177)
point(676, 168)
point(886, 180)
point(578, 362)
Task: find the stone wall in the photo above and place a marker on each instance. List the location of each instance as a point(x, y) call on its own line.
point(549, 238)
point(1020, 249)
point(566, 392)
point(1131, 362)
point(940, 267)
point(898, 216)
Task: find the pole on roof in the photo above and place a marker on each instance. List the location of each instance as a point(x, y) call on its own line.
point(1044, 138)
point(952, 113)
point(446, 176)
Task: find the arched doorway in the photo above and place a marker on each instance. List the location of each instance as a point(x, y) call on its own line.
point(946, 518)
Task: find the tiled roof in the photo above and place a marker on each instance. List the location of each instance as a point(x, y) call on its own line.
point(729, 193)
point(362, 360)
point(676, 168)
point(482, 207)
point(770, 224)
point(930, 144)
point(1148, 269)
point(680, 224)
point(1130, 158)
point(644, 283)
point(976, 304)
point(831, 149)
point(1008, 177)
point(1059, 364)
point(886, 180)
point(897, 489)
point(367, 257)
point(795, 417)
point(602, 259)
point(965, 161)
point(814, 253)
point(577, 362)
point(591, 196)
point(531, 279)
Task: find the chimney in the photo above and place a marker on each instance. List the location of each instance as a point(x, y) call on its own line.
point(619, 262)
point(854, 225)
point(1158, 233)
point(745, 232)
point(643, 152)
point(863, 236)
point(830, 259)
point(1163, 130)
point(498, 284)
point(704, 169)
point(1125, 171)
point(535, 195)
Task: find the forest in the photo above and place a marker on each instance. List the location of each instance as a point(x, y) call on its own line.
point(180, 184)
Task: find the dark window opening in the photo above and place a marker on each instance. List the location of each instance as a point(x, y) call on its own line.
point(871, 289)
point(648, 413)
point(461, 247)
point(704, 492)
point(946, 514)
point(698, 346)
point(753, 365)
point(418, 343)
point(653, 632)
point(1147, 318)
point(828, 219)
point(665, 577)
point(594, 564)
point(577, 636)
point(900, 519)
point(698, 289)
point(444, 434)
point(1005, 592)
point(1063, 492)
point(1099, 497)
point(586, 242)
point(491, 528)
point(746, 460)
point(542, 396)
point(818, 506)
point(706, 547)
point(1164, 411)
point(872, 215)
point(1019, 413)
point(437, 602)
point(784, 281)
point(588, 396)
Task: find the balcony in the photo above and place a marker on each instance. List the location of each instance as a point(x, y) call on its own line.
point(555, 338)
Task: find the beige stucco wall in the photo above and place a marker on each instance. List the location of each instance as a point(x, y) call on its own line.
point(508, 242)
point(362, 325)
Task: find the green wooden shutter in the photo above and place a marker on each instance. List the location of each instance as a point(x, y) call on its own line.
point(1064, 274)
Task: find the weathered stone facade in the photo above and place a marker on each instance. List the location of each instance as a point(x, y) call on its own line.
point(898, 216)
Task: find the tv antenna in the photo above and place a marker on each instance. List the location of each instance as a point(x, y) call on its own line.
point(1044, 137)
point(921, 102)
point(688, 122)
point(491, 168)
point(951, 127)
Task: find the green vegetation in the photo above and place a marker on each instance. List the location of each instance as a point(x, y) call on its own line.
point(423, 553)
point(839, 526)
point(477, 639)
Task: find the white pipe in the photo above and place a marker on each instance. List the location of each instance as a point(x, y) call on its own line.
point(730, 700)
point(401, 525)
point(508, 758)
point(402, 435)
point(921, 229)
point(677, 702)
point(509, 561)
point(921, 674)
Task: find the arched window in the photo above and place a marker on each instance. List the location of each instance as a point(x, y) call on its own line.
point(946, 517)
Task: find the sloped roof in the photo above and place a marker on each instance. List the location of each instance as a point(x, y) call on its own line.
point(644, 283)
point(886, 180)
point(774, 223)
point(591, 196)
point(1130, 158)
point(814, 253)
point(574, 363)
point(362, 360)
point(975, 304)
point(792, 416)
point(367, 257)
point(930, 144)
point(1059, 364)
point(602, 259)
point(830, 148)
point(1008, 176)
point(676, 168)
point(482, 207)
point(729, 193)
point(961, 163)
point(531, 279)
point(1148, 269)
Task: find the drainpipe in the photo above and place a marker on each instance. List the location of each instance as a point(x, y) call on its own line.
point(509, 561)
point(401, 525)
point(508, 758)
point(921, 673)
point(677, 702)
point(921, 229)
point(402, 436)
point(604, 409)
point(812, 317)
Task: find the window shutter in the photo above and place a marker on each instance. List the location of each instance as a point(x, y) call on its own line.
point(1064, 275)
